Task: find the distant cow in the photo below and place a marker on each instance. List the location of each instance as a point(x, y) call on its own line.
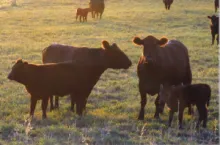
point(214, 26)
point(110, 56)
point(82, 13)
point(162, 61)
point(97, 8)
point(196, 94)
point(216, 4)
point(167, 4)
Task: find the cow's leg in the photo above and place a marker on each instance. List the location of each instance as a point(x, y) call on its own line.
point(79, 107)
point(213, 38)
point(205, 116)
point(143, 103)
point(217, 39)
point(92, 14)
point(73, 101)
point(33, 105)
point(180, 115)
point(158, 108)
point(51, 103)
point(80, 18)
point(168, 7)
point(44, 107)
point(171, 112)
point(100, 16)
point(161, 105)
point(56, 102)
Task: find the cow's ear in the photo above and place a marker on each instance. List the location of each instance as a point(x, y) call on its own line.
point(162, 41)
point(25, 62)
point(209, 17)
point(138, 41)
point(19, 60)
point(105, 44)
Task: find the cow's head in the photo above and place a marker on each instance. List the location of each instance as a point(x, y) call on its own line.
point(214, 20)
point(17, 71)
point(114, 57)
point(150, 44)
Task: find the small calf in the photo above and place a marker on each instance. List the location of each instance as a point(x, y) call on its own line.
point(196, 94)
point(83, 13)
point(214, 26)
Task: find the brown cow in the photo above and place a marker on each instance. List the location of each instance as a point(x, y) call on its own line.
point(167, 4)
point(82, 13)
point(97, 8)
point(82, 55)
point(196, 94)
point(214, 27)
point(162, 61)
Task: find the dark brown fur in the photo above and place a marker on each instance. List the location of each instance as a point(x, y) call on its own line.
point(214, 27)
point(167, 4)
point(160, 63)
point(196, 94)
point(82, 13)
point(110, 56)
point(97, 8)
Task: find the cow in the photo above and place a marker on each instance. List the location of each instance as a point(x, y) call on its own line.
point(179, 97)
point(214, 27)
point(82, 13)
point(162, 61)
point(167, 4)
point(97, 8)
point(216, 5)
point(56, 53)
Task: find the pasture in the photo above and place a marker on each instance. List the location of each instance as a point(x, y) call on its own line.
point(113, 105)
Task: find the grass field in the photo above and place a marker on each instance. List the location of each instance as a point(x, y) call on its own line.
point(113, 105)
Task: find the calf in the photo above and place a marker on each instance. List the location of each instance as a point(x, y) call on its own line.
point(214, 26)
point(83, 13)
point(216, 4)
point(167, 4)
point(195, 94)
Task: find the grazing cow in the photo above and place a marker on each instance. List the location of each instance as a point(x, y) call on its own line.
point(82, 13)
point(162, 61)
point(214, 26)
point(108, 57)
point(97, 8)
point(167, 4)
point(216, 5)
point(196, 94)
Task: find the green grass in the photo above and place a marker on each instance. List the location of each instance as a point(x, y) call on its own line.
point(113, 105)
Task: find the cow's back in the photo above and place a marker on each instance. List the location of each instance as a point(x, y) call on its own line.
point(57, 53)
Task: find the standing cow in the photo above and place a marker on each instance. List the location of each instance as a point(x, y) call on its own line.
point(97, 8)
point(110, 56)
point(214, 27)
point(82, 14)
point(167, 4)
point(162, 62)
point(179, 97)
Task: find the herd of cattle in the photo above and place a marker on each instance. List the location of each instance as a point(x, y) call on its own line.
point(163, 70)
